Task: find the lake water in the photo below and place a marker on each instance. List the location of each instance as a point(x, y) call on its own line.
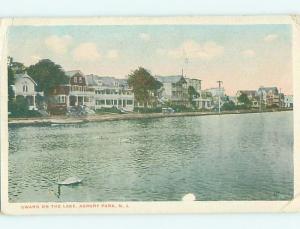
point(228, 157)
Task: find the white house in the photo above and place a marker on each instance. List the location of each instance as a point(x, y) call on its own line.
point(111, 92)
point(25, 86)
point(174, 90)
point(288, 101)
point(216, 92)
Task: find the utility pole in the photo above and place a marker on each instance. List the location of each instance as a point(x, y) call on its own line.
point(219, 82)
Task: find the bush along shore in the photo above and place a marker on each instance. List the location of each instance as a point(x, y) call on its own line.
point(106, 116)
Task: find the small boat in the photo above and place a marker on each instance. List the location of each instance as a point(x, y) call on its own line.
point(70, 181)
point(65, 122)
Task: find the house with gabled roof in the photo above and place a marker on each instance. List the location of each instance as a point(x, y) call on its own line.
point(269, 96)
point(74, 94)
point(80, 93)
point(25, 86)
point(174, 90)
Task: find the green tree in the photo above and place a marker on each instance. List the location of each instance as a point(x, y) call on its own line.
point(193, 94)
point(19, 107)
point(16, 67)
point(229, 106)
point(10, 82)
point(244, 100)
point(47, 75)
point(144, 85)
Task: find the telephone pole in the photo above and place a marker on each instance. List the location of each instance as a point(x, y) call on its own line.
point(219, 82)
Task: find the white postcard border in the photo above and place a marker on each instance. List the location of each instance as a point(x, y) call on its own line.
point(150, 207)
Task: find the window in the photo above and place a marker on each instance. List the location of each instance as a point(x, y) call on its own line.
point(108, 102)
point(75, 79)
point(61, 99)
point(80, 79)
point(25, 88)
point(129, 102)
point(120, 101)
point(115, 102)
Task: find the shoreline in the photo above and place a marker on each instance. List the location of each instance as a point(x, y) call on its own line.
point(63, 120)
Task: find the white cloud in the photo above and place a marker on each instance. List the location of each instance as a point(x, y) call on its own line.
point(270, 37)
point(248, 53)
point(113, 54)
point(192, 49)
point(86, 52)
point(58, 44)
point(145, 37)
point(36, 58)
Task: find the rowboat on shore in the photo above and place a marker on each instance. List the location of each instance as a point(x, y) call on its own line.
point(65, 122)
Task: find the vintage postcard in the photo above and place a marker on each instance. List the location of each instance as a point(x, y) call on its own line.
point(150, 115)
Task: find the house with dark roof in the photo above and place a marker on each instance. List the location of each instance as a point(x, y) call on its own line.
point(174, 90)
point(75, 93)
point(269, 96)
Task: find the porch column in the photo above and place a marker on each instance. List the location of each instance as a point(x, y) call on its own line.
point(34, 101)
point(76, 101)
point(67, 101)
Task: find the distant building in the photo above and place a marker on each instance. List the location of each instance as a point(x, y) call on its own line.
point(252, 96)
point(216, 92)
point(269, 96)
point(250, 93)
point(25, 86)
point(174, 90)
point(111, 92)
point(205, 101)
point(195, 83)
point(288, 101)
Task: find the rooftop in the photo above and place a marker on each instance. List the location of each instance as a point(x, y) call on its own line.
point(73, 72)
point(170, 79)
point(24, 75)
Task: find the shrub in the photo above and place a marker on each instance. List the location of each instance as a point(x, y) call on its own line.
point(148, 110)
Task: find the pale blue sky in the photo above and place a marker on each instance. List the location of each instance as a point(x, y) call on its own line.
point(243, 56)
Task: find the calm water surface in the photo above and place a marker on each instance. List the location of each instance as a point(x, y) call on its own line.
point(229, 157)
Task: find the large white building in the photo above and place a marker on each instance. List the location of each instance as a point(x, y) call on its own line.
point(111, 92)
point(174, 90)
